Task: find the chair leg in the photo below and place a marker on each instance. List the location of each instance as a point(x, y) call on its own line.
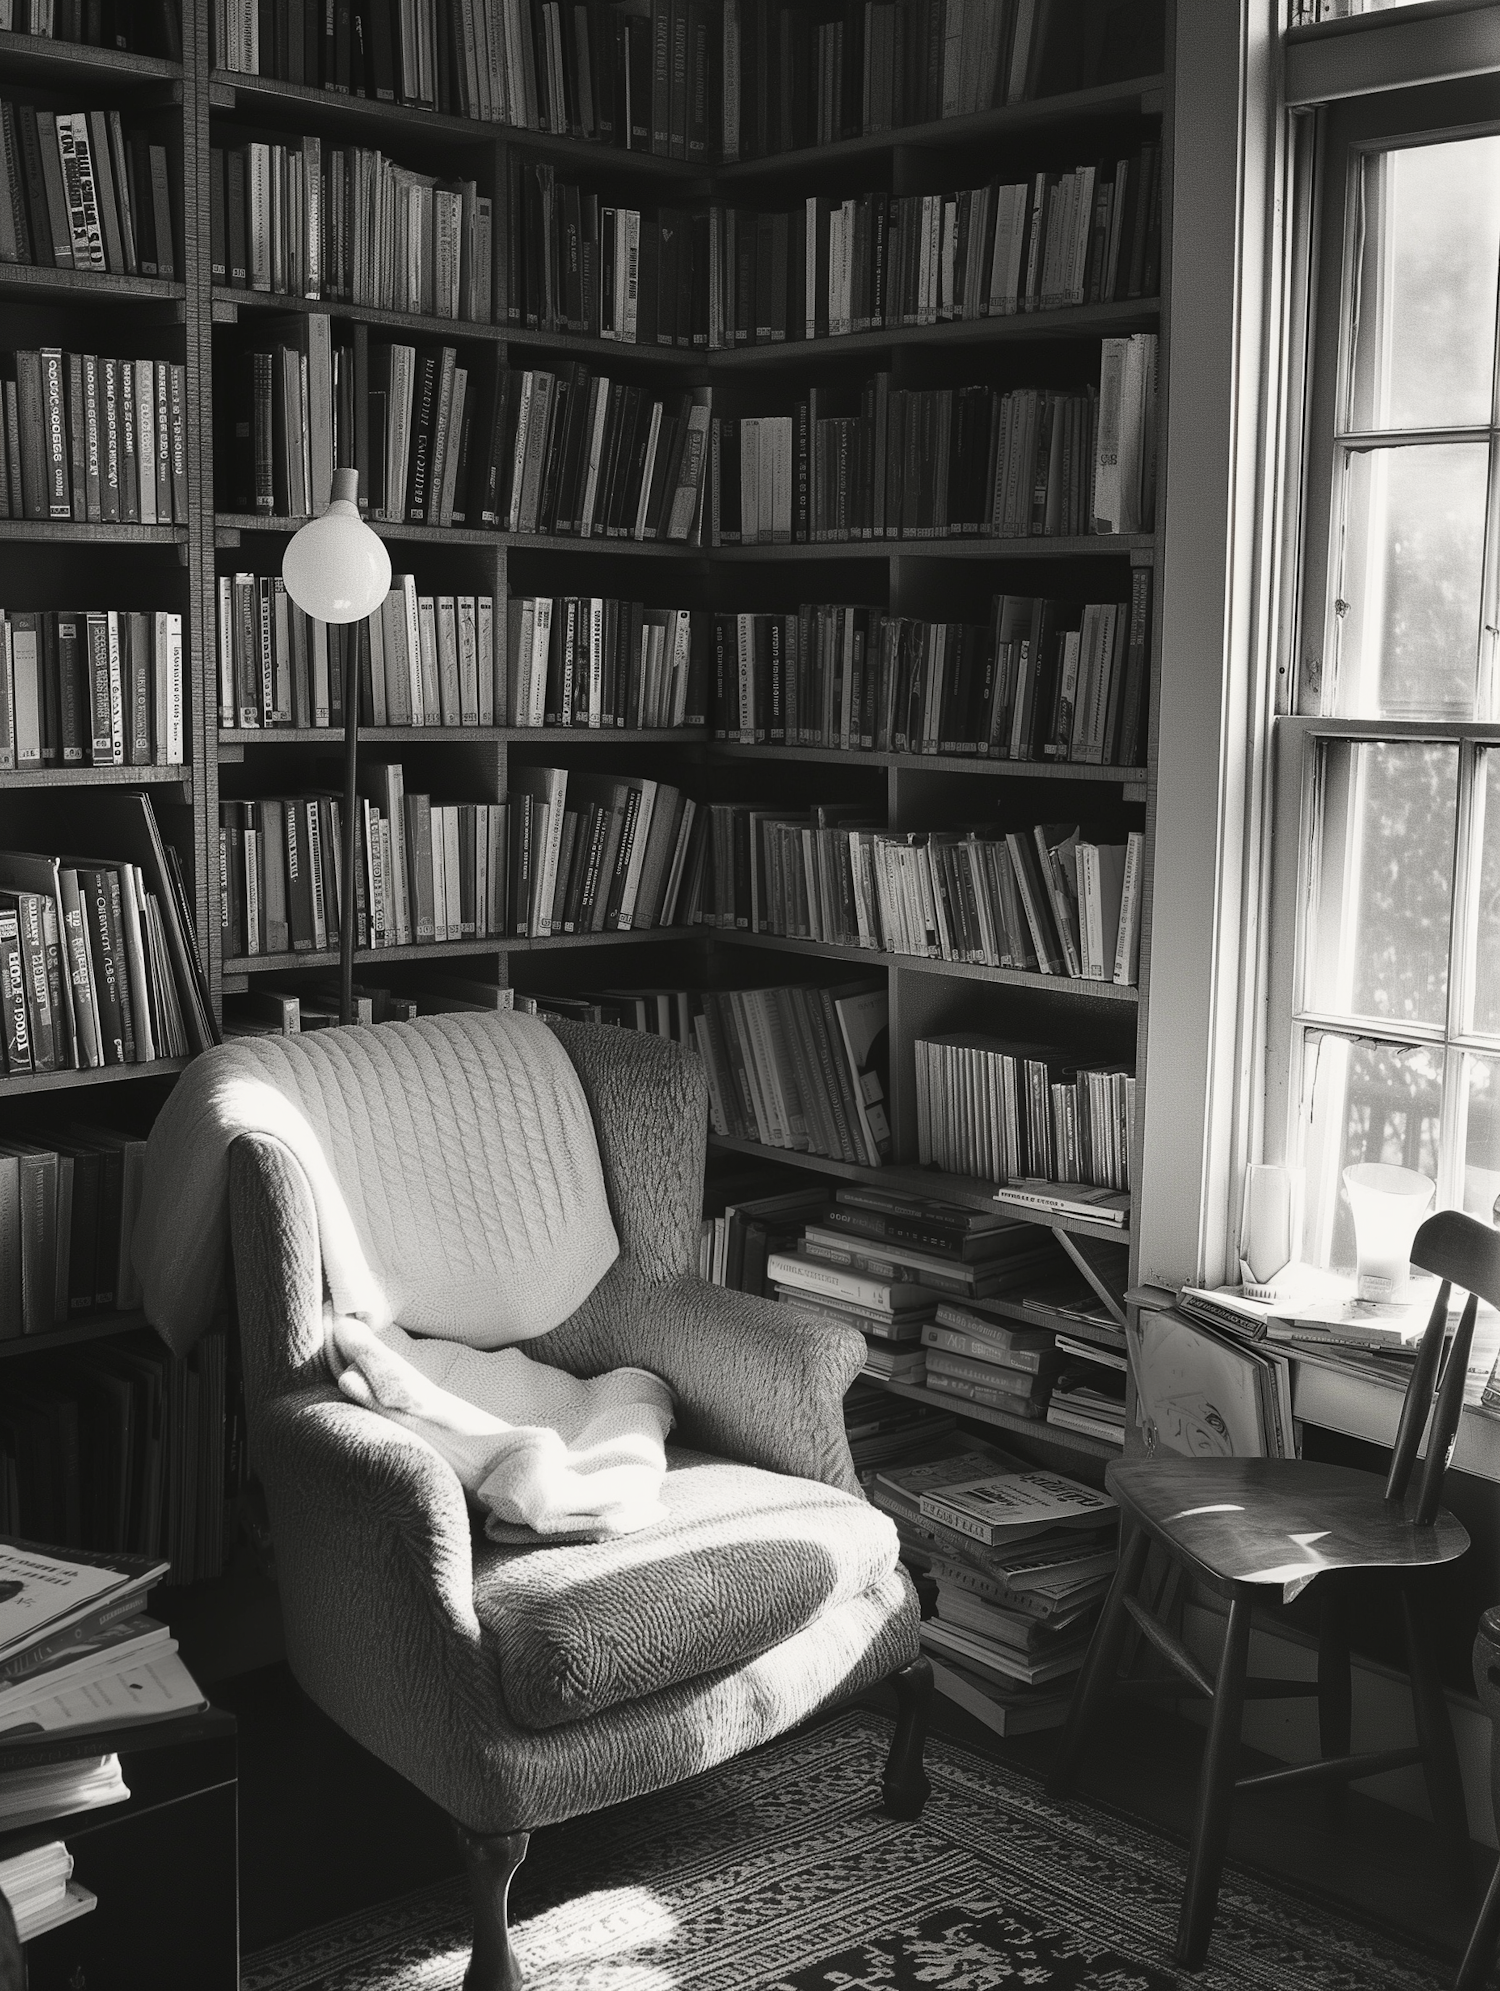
point(1445, 1789)
point(1099, 1665)
point(491, 1861)
point(1474, 1971)
point(1335, 1697)
point(1215, 1792)
point(904, 1788)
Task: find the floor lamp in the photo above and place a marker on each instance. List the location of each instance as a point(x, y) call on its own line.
point(337, 570)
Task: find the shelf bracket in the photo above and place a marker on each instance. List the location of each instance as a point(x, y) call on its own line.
point(1109, 1300)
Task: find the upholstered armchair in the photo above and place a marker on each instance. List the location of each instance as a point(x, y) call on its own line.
point(518, 1686)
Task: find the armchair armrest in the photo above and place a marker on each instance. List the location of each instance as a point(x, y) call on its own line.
point(753, 1381)
point(375, 1570)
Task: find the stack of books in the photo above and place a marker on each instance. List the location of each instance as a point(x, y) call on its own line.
point(1007, 1112)
point(90, 688)
point(1021, 1561)
point(575, 262)
point(1045, 680)
point(996, 1363)
point(1089, 1392)
point(312, 220)
point(739, 1244)
point(888, 1311)
point(77, 1652)
point(1050, 901)
point(79, 193)
point(831, 267)
point(92, 439)
point(38, 1885)
point(422, 660)
point(885, 1431)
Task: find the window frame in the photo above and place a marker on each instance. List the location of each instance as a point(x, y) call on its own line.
point(1325, 147)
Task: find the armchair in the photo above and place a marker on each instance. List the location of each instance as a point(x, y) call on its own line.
point(518, 1686)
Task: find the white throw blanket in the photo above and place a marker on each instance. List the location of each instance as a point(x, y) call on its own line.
point(456, 1181)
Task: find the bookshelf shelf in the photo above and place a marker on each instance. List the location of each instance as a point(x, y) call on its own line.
point(228, 527)
point(363, 119)
point(1015, 770)
point(105, 1327)
point(918, 964)
point(99, 777)
point(230, 302)
point(13, 1088)
point(65, 530)
point(23, 281)
point(1077, 321)
point(964, 1190)
point(417, 736)
point(1038, 1430)
point(448, 950)
point(695, 360)
point(70, 61)
point(1138, 97)
point(1137, 547)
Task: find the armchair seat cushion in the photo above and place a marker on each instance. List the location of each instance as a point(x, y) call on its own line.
point(745, 1560)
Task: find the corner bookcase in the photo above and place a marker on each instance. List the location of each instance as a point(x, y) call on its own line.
point(198, 323)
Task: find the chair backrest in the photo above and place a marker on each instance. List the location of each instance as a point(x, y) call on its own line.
point(1463, 1253)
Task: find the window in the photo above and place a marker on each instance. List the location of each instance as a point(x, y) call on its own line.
point(1385, 1011)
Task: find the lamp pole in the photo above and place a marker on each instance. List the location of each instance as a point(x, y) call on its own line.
point(337, 570)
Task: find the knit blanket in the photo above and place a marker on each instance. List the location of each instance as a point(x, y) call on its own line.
point(460, 1199)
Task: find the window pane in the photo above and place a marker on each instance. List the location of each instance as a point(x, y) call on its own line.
point(1367, 1102)
point(1408, 597)
point(1425, 339)
point(1303, 11)
point(1378, 917)
point(1484, 920)
point(1481, 1183)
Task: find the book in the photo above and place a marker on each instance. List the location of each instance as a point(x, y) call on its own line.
point(1005, 1711)
point(42, 1594)
point(1010, 1507)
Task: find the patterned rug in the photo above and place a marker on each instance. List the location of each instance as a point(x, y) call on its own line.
point(779, 1873)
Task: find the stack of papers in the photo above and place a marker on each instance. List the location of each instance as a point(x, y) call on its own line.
point(55, 1790)
point(36, 1884)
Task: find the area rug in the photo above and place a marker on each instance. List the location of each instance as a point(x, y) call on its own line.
point(779, 1873)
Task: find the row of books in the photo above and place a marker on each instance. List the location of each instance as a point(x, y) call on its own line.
point(1013, 1113)
point(1046, 900)
point(93, 439)
point(573, 453)
point(78, 1654)
point(1047, 680)
point(122, 1444)
point(68, 1201)
point(934, 463)
point(312, 220)
point(144, 27)
point(78, 193)
point(591, 661)
point(423, 660)
point(638, 78)
point(91, 688)
point(568, 853)
point(795, 77)
point(576, 262)
point(831, 267)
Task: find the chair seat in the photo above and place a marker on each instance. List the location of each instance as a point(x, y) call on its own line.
point(1276, 1522)
point(746, 1560)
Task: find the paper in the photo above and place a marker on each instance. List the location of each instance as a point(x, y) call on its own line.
point(1196, 1397)
point(36, 1590)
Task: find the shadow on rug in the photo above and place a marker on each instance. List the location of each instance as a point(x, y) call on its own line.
point(779, 1873)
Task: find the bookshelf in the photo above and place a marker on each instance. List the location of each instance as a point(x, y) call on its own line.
point(204, 325)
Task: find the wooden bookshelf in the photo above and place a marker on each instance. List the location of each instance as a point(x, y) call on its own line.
point(198, 322)
point(1036, 1430)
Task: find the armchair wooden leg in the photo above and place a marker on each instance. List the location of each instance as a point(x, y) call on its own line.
point(1099, 1665)
point(1215, 1792)
point(491, 1861)
point(1474, 1971)
point(1335, 1702)
point(904, 1787)
point(1445, 1789)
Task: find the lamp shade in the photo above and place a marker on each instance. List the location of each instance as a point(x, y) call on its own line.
point(335, 568)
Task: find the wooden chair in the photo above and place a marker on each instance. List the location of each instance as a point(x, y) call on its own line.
point(1259, 1531)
